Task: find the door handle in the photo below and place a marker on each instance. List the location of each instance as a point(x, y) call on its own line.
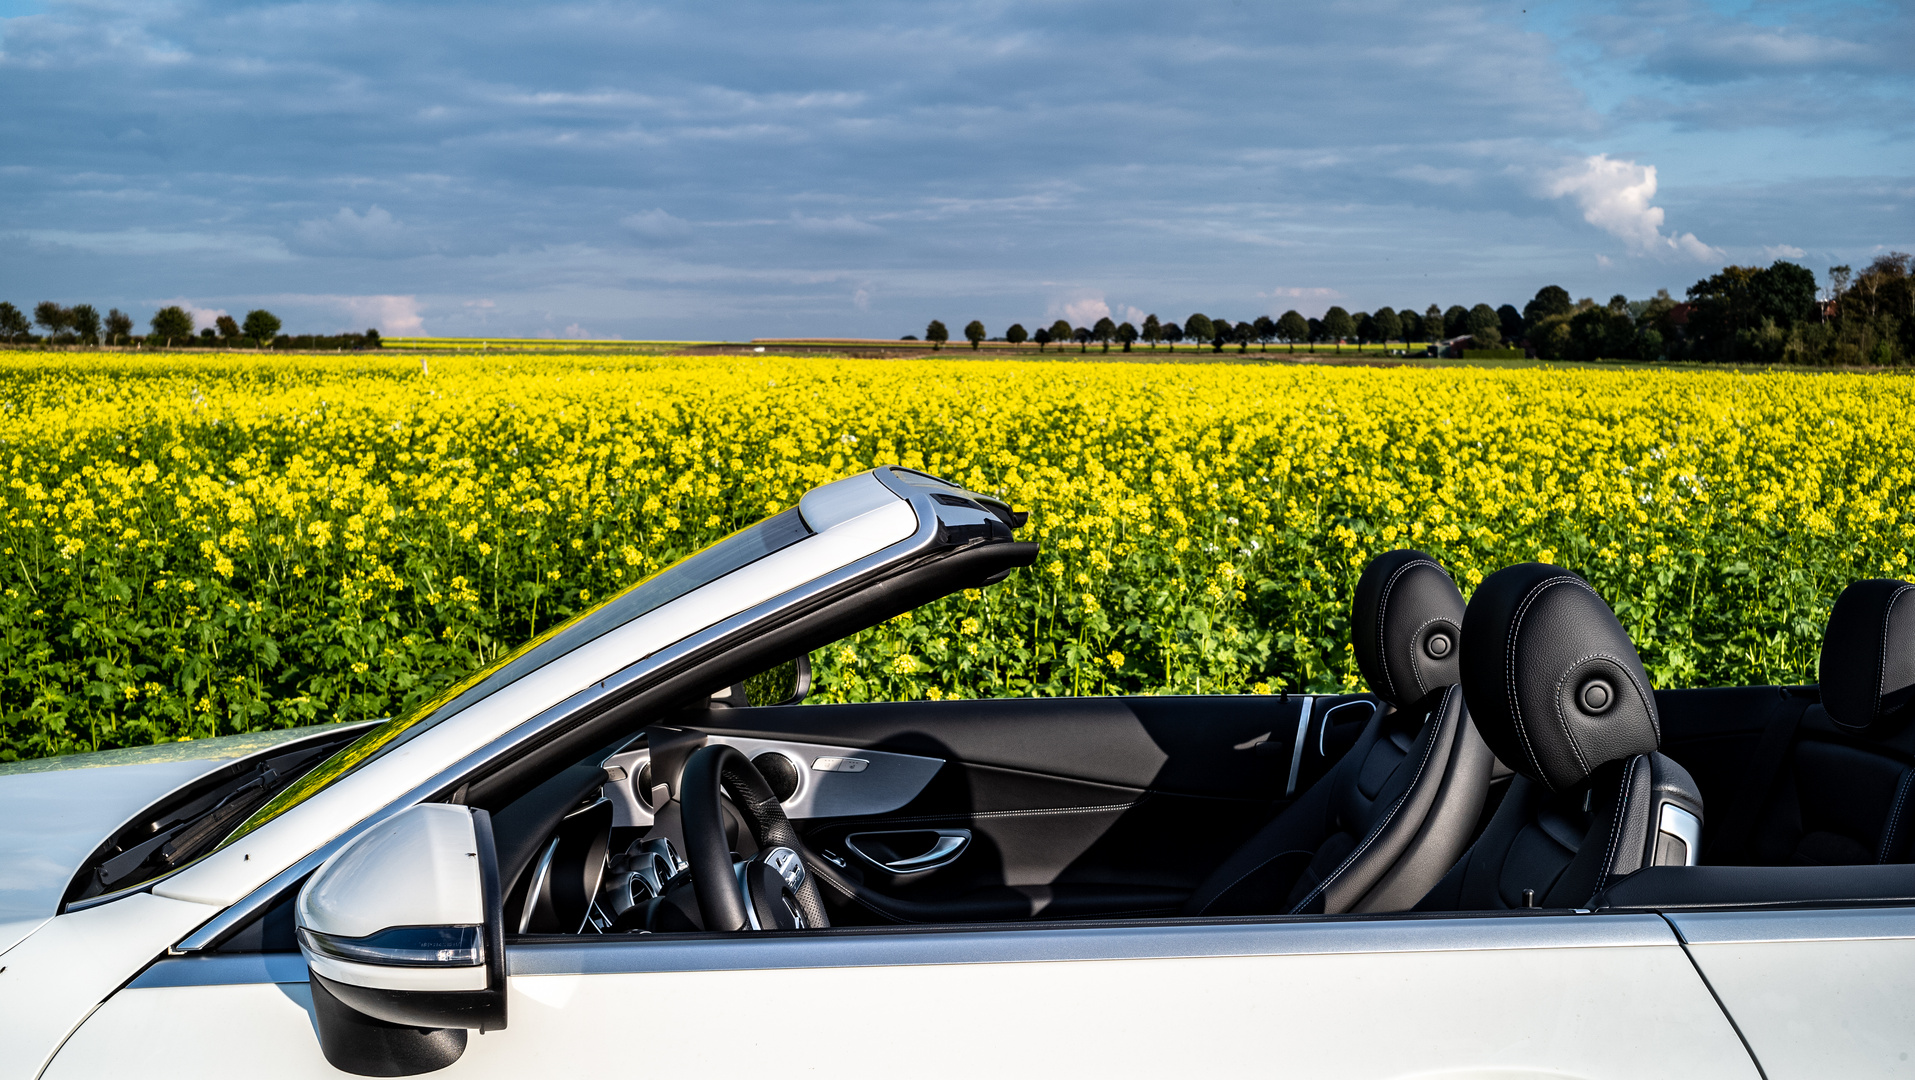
point(875, 849)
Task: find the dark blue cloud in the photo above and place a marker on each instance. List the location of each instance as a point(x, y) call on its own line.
point(763, 168)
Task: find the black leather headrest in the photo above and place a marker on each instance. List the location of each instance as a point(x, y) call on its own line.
point(1406, 624)
point(1552, 679)
point(1868, 656)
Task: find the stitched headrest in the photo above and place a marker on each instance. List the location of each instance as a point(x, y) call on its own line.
point(1551, 678)
point(1868, 656)
point(1406, 623)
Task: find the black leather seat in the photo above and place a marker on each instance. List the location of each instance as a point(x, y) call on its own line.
point(1556, 689)
point(1398, 809)
point(1842, 794)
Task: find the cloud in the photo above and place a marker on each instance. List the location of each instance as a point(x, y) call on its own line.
point(658, 226)
point(375, 232)
point(1084, 312)
point(394, 316)
point(836, 225)
point(1783, 251)
point(1614, 196)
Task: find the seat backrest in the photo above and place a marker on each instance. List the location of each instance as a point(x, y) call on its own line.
point(1557, 691)
point(1843, 795)
point(1398, 809)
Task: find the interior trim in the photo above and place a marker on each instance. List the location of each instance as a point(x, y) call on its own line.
point(1296, 748)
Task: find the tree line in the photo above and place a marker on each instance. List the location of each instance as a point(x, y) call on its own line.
point(170, 327)
point(1743, 314)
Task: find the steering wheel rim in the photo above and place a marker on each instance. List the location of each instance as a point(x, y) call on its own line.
point(722, 903)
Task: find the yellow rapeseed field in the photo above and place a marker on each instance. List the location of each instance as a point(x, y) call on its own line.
point(208, 545)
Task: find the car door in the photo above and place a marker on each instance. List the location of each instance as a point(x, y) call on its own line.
point(1558, 995)
point(1060, 807)
point(1828, 992)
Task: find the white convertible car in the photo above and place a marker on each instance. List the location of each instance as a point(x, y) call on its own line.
point(626, 848)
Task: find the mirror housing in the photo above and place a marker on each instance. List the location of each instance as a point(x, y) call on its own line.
point(403, 933)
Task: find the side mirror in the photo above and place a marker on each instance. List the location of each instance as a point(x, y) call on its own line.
point(403, 932)
point(787, 684)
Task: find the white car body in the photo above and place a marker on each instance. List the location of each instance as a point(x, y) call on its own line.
point(135, 983)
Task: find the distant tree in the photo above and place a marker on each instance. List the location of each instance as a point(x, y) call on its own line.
point(1456, 321)
point(207, 335)
point(262, 326)
point(1153, 330)
point(13, 323)
point(50, 315)
point(1512, 321)
point(1061, 333)
point(1337, 325)
point(85, 323)
point(1221, 334)
point(172, 324)
point(936, 334)
point(1266, 329)
point(1105, 332)
point(1042, 337)
point(1199, 328)
point(1366, 329)
point(1016, 334)
point(1485, 327)
point(1388, 326)
point(974, 333)
point(1549, 300)
point(1083, 336)
point(1293, 328)
point(1172, 334)
point(1733, 312)
point(1243, 334)
point(1316, 331)
point(1412, 325)
point(1127, 334)
point(1433, 323)
point(226, 326)
point(119, 326)
point(909, 337)
point(372, 337)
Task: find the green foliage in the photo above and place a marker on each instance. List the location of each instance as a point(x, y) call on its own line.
point(936, 334)
point(974, 333)
point(1199, 327)
point(172, 325)
point(262, 326)
point(1017, 335)
point(1338, 325)
point(1293, 327)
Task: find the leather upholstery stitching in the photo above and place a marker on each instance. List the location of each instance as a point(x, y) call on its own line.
point(1615, 827)
point(1416, 670)
point(1509, 670)
point(1239, 879)
point(1895, 816)
point(1881, 663)
point(1376, 830)
point(1382, 613)
point(1564, 719)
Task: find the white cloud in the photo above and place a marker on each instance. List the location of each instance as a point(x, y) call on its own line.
point(1083, 312)
point(862, 299)
point(574, 330)
point(837, 225)
point(658, 226)
point(395, 316)
point(1614, 196)
point(375, 232)
point(1134, 315)
point(1783, 251)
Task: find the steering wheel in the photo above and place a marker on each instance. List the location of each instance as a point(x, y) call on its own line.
point(774, 890)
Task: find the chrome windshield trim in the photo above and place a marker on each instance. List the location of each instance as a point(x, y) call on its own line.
point(1820, 924)
point(626, 680)
point(996, 945)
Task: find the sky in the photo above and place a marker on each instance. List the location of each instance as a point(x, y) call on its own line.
point(737, 170)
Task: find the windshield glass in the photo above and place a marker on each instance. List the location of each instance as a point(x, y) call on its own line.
point(740, 549)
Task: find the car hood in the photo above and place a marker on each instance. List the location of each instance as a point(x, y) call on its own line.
point(54, 812)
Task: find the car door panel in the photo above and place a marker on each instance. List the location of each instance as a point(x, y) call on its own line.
point(1074, 805)
point(1558, 996)
point(1816, 993)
